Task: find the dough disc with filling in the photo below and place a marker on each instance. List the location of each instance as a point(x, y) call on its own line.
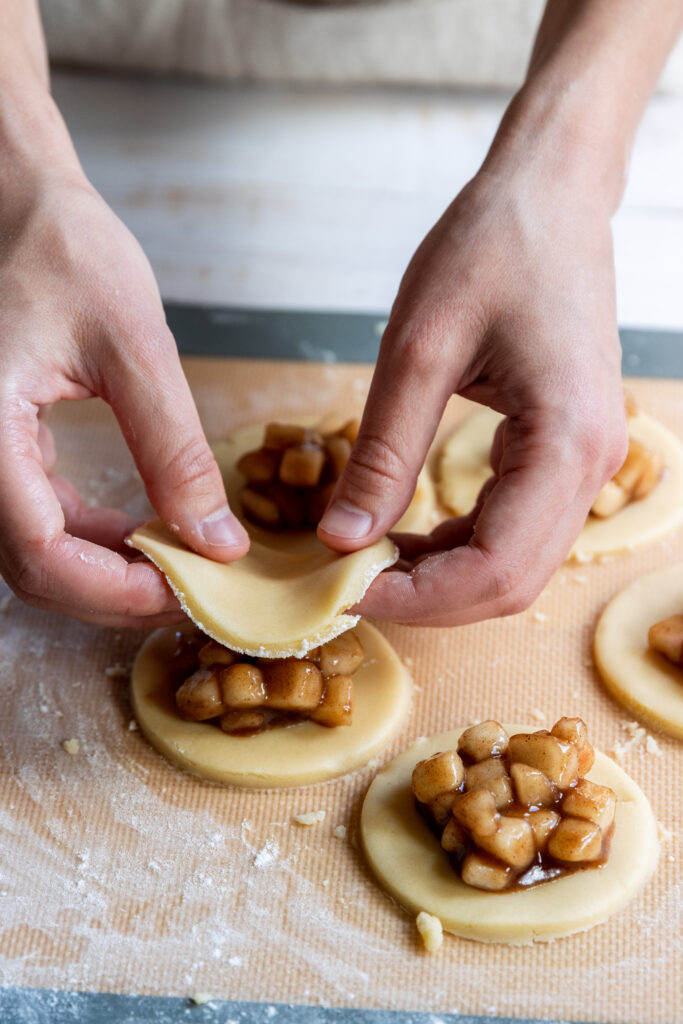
point(274, 602)
point(644, 681)
point(419, 517)
point(464, 468)
point(410, 864)
point(295, 755)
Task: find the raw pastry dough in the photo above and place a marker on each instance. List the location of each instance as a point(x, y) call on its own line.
point(292, 756)
point(408, 861)
point(464, 468)
point(274, 602)
point(642, 680)
point(419, 517)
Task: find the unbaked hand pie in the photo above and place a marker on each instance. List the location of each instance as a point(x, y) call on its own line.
point(280, 476)
point(509, 835)
point(641, 503)
point(637, 649)
point(268, 722)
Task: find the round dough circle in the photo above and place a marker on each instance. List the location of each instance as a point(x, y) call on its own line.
point(295, 755)
point(419, 517)
point(464, 468)
point(409, 863)
point(644, 681)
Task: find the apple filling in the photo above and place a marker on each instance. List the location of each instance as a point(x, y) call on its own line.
point(515, 811)
point(244, 695)
point(291, 477)
point(635, 480)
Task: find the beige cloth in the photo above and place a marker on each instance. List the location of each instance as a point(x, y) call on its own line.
point(432, 42)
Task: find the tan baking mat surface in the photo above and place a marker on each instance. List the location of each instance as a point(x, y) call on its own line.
point(119, 873)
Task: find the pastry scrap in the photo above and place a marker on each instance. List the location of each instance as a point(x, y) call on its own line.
point(638, 649)
point(508, 892)
point(299, 750)
point(642, 502)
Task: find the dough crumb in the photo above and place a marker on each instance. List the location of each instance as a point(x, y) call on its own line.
point(583, 557)
point(266, 855)
point(604, 559)
point(200, 998)
point(665, 834)
point(617, 752)
point(652, 747)
point(538, 715)
point(339, 831)
point(117, 671)
point(580, 577)
point(431, 930)
point(325, 882)
point(132, 726)
point(309, 818)
point(540, 617)
point(71, 746)
point(408, 662)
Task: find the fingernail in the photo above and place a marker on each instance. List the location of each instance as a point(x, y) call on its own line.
point(346, 520)
point(222, 529)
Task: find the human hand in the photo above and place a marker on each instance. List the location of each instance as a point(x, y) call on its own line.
point(81, 316)
point(510, 302)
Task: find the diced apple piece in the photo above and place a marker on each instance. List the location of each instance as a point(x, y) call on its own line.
point(476, 811)
point(260, 466)
point(285, 435)
point(260, 507)
point(199, 697)
point(486, 739)
point(556, 758)
point(543, 823)
point(590, 801)
point(213, 653)
point(242, 721)
point(512, 842)
point(438, 774)
point(575, 730)
point(441, 807)
point(301, 467)
point(453, 838)
point(336, 706)
point(485, 873)
point(293, 685)
point(491, 774)
point(667, 638)
point(649, 477)
point(576, 840)
point(533, 788)
point(242, 686)
point(341, 656)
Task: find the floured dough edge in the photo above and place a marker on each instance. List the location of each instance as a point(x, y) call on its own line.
point(297, 755)
point(464, 469)
point(409, 863)
point(642, 680)
point(152, 539)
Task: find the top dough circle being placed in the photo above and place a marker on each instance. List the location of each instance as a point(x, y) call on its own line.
point(273, 602)
point(644, 681)
point(296, 755)
point(409, 862)
point(464, 468)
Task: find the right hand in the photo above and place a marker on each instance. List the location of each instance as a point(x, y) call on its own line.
point(81, 316)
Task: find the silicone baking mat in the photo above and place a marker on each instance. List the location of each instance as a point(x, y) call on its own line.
point(120, 874)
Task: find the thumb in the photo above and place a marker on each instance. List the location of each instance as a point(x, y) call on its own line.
point(154, 406)
point(407, 396)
